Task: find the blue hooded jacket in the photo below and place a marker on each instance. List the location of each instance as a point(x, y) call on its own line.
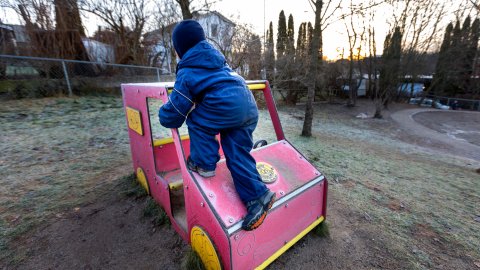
point(221, 97)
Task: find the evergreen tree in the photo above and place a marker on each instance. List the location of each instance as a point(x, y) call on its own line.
point(287, 68)
point(464, 63)
point(270, 55)
point(300, 51)
point(455, 58)
point(281, 35)
point(301, 39)
point(472, 52)
point(309, 36)
point(254, 52)
point(290, 46)
point(390, 69)
point(455, 65)
point(281, 63)
point(442, 67)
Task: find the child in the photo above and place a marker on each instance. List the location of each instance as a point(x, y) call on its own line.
point(213, 99)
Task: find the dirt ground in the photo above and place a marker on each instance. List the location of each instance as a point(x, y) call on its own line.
point(110, 232)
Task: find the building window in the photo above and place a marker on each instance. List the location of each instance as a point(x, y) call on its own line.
point(214, 30)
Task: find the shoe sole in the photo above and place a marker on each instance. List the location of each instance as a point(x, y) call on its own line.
point(206, 175)
point(270, 204)
point(202, 174)
point(260, 220)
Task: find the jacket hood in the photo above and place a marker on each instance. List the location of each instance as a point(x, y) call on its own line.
point(202, 55)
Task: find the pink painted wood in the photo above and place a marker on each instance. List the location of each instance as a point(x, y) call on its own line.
point(136, 96)
point(293, 171)
point(214, 205)
point(166, 158)
point(283, 223)
point(272, 109)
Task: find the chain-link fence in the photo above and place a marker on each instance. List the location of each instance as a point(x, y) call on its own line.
point(22, 77)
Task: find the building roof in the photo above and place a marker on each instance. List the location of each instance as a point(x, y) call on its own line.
point(6, 27)
point(207, 14)
point(196, 16)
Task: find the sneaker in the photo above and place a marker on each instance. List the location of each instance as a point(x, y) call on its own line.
point(257, 211)
point(194, 168)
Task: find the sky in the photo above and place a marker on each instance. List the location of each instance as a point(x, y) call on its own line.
point(259, 13)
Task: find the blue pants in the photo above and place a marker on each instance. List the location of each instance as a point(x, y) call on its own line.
point(236, 144)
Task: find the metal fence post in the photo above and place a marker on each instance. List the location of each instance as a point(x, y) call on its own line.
point(70, 93)
point(158, 74)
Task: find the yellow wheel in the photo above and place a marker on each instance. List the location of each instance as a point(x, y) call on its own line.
point(202, 245)
point(142, 179)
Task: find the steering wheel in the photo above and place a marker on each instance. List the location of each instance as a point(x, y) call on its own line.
point(260, 143)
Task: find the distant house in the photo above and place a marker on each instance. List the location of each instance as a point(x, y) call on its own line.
point(8, 44)
point(360, 84)
point(21, 36)
point(218, 29)
point(359, 81)
point(13, 39)
point(98, 51)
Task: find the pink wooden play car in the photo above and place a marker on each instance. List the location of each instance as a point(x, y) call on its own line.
point(208, 213)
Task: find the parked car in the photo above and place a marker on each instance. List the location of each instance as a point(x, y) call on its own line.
point(429, 103)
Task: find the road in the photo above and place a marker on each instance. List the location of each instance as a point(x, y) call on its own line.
point(453, 132)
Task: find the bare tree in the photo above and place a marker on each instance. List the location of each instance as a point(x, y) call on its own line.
point(59, 38)
point(236, 46)
point(69, 30)
point(323, 13)
point(189, 7)
point(419, 22)
point(127, 19)
point(476, 4)
point(159, 41)
point(37, 14)
point(67, 16)
point(372, 62)
point(185, 8)
point(355, 40)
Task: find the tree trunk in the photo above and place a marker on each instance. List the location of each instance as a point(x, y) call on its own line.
point(185, 7)
point(378, 111)
point(312, 71)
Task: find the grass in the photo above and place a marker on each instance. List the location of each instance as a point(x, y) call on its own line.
point(398, 186)
point(56, 154)
point(322, 230)
point(131, 188)
point(192, 261)
point(155, 212)
point(59, 153)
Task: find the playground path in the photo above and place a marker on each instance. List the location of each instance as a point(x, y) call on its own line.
point(453, 132)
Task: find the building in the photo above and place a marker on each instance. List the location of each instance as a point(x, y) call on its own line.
point(98, 51)
point(219, 31)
